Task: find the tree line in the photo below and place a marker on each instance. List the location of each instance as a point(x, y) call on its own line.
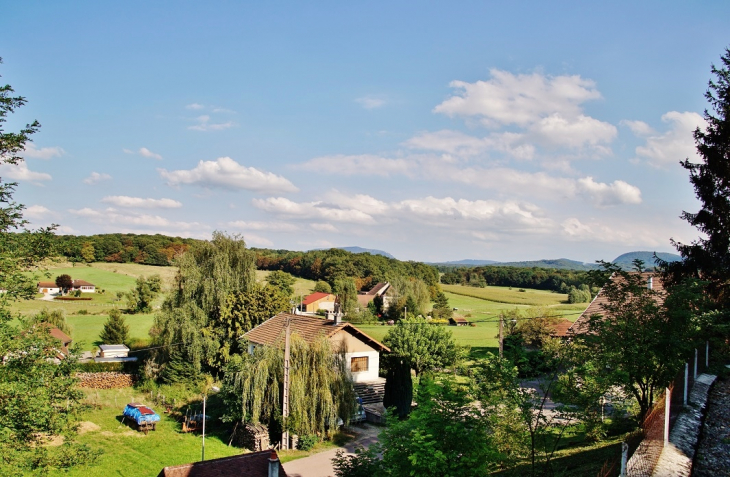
point(122, 248)
point(537, 278)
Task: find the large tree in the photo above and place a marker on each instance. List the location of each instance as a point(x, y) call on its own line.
point(116, 329)
point(192, 312)
point(708, 257)
point(422, 345)
point(38, 399)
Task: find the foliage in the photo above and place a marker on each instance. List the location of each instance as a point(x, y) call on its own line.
point(87, 252)
point(441, 308)
point(708, 258)
point(322, 287)
point(307, 442)
point(243, 311)
point(191, 313)
point(422, 345)
point(346, 295)
point(56, 318)
point(320, 388)
point(281, 280)
point(123, 248)
point(536, 326)
point(579, 295)
point(642, 336)
point(116, 329)
point(38, 399)
point(145, 290)
point(398, 385)
point(64, 282)
point(537, 278)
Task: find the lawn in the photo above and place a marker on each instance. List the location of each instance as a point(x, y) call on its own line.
point(510, 295)
point(302, 286)
point(85, 329)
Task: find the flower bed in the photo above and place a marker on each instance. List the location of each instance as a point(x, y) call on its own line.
point(71, 298)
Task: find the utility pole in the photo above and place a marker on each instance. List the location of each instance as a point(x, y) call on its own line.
point(405, 312)
point(204, 397)
point(501, 335)
point(285, 405)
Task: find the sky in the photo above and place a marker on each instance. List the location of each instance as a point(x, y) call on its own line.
point(432, 130)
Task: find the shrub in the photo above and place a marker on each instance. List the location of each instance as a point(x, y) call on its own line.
point(83, 312)
point(307, 442)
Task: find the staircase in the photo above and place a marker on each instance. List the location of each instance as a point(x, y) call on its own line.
point(371, 392)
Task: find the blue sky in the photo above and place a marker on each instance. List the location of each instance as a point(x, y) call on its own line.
point(432, 130)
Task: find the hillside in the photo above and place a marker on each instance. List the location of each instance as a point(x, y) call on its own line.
point(626, 260)
point(371, 251)
point(559, 264)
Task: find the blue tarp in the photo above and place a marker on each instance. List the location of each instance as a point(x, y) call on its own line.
point(140, 414)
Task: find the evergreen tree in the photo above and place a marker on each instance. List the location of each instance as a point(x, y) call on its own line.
point(709, 258)
point(116, 330)
point(441, 308)
point(322, 287)
point(398, 385)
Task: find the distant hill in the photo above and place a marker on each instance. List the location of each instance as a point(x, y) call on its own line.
point(559, 263)
point(371, 251)
point(626, 260)
point(466, 263)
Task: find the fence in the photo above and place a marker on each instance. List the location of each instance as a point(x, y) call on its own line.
point(642, 450)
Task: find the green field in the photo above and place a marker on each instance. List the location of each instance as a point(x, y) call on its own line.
point(302, 286)
point(510, 295)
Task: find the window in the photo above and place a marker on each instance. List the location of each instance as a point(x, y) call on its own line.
point(359, 364)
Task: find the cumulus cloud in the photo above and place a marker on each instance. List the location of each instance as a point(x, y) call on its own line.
point(140, 203)
point(42, 153)
point(371, 102)
point(257, 240)
point(323, 227)
point(463, 145)
point(96, 177)
point(36, 212)
point(548, 108)
point(615, 193)
point(204, 124)
point(20, 172)
point(312, 210)
point(113, 217)
point(194, 106)
point(226, 173)
point(640, 128)
point(143, 151)
point(263, 226)
point(599, 231)
point(674, 145)
point(366, 164)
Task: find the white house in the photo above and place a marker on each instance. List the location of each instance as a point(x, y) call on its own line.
point(84, 286)
point(48, 287)
point(362, 351)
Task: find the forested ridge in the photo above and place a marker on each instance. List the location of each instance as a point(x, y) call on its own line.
point(538, 278)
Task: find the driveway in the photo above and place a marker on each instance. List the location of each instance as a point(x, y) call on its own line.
point(320, 465)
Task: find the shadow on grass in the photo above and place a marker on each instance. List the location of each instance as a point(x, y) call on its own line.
point(588, 461)
point(481, 352)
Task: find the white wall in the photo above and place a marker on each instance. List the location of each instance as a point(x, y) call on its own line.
point(373, 366)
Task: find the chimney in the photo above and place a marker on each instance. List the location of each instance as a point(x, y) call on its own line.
point(338, 318)
point(273, 464)
point(649, 283)
point(330, 315)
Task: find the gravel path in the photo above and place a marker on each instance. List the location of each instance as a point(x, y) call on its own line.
point(713, 454)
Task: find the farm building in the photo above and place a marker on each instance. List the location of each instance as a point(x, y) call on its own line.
point(114, 353)
point(560, 329)
point(256, 464)
point(318, 301)
point(653, 282)
point(84, 286)
point(48, 287)
point(458, 321)
point(63, 340)
point(364, 298)
point(362, 351)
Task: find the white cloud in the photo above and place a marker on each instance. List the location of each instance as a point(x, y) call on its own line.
point(575, 133)
point(257, 240)
point(324, 227)
point(365, 164)
point(143, 151)
point(640, 128)
point(127, 151)
point(463, 145)
point(194, 106)
point(42, 153)
point(676, 144)
point(226, 173)
point(20, 172)
point(519, 99)
point(616, 193)
point(371, 102)
point(113, 217)
point(312, 210)
point(204, 124)
point(36, 212)
point(620, 233)
point(95, 177)
point(263, 226)
point(138, 202)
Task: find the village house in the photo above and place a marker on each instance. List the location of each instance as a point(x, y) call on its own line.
point(62, 341)
point(84, 286)
point(458, 321)
point(48, 287)
point(255, 464)
point(53, 289)
point(581, 325)
point(364, 298)
point(361, 351)
point(318, 301)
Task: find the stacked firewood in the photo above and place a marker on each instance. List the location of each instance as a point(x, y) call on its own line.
point(108, 380)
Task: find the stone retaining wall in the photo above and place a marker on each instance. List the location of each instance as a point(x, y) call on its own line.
point(106, 380)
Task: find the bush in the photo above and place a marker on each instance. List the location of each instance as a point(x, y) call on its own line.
point(71, 298)
point(83, 312)
point(104, 367)
point(307, 442)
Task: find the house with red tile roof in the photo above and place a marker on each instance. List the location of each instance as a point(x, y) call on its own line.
point(361, 351)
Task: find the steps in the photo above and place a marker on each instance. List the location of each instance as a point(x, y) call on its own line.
point(371, 392)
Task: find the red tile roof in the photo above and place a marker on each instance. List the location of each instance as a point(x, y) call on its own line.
point(82, 283)
point(255, 464)
point(560, 329)
point(596, 306)
point(316, 296)
point(47, 285)
point(271, 331)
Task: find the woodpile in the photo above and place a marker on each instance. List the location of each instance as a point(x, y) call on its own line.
point(108, 380)
point(254, 437)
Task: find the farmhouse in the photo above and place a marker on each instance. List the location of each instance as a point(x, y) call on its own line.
point(653, 282)
point(48, 287)
point(256, 464)
point(364, 298)
point(458, 321)
point(318, 301)
point(62, 342)
point(362, 351)
point(84, 286)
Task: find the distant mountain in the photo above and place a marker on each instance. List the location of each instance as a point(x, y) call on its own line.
point(559, 263)
point(626, 260)
point(371, 251)
point(466, 263)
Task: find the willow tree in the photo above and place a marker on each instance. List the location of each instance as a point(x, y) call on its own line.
point(191, 313)
point(320, 388)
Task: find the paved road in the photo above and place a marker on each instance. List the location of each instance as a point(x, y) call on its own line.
point(320, 465)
